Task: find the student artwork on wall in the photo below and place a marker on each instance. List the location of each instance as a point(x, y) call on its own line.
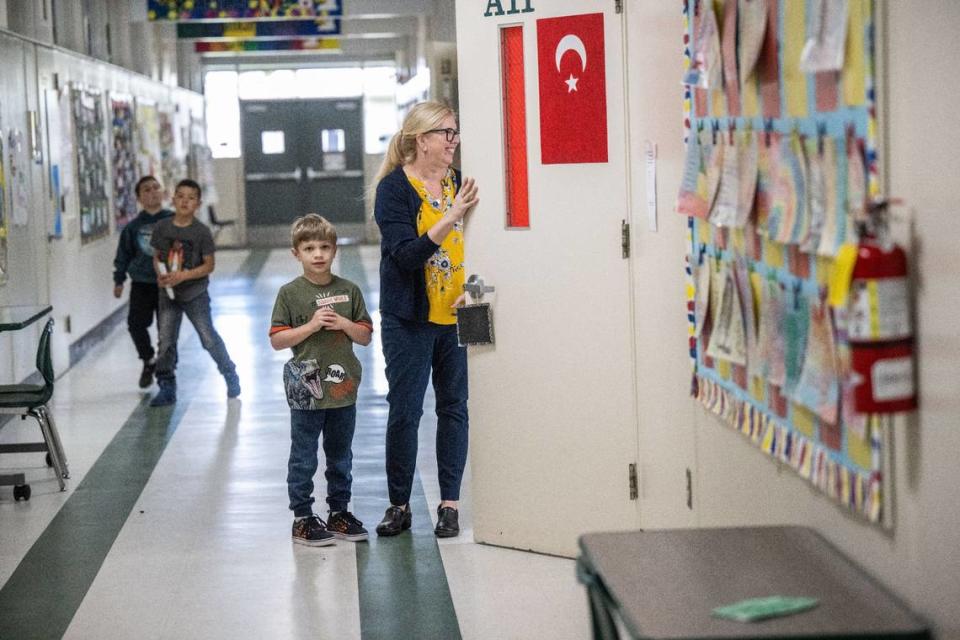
point(65, 129)
point(3, 214)
point(53, 119)
point(17, 163)
point(124, 161)
point(148, 140)
point(216, 10)
point(172, 157)
point(780, 166)
point(92, 176)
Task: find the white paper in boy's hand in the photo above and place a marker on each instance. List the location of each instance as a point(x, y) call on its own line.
point(163, 270)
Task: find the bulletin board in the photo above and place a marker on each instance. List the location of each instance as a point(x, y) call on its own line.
point(92, 177)
point(148, 140)
point(780, 166)
point(124, 160)
point(173, 160)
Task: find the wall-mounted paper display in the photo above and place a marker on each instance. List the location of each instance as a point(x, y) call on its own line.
point(17, 160)
point(778, 175)
point(173, 160)
point(4, 229)
point(124, 161)
point(148, 141)
point(92, 175)
point(219, 10)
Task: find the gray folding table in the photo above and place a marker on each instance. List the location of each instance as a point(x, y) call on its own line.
point(664, 584)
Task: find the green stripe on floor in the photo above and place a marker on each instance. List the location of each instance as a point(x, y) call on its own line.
point(48, 586)
point(45, 591)
point(402, 583)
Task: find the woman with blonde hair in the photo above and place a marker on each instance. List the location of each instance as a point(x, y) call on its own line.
point(420, 206)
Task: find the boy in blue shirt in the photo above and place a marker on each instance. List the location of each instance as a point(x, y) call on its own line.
point(319, 316)
point(135, 257)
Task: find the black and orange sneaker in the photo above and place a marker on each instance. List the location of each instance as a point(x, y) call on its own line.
point(312, 532)
point(343, 525)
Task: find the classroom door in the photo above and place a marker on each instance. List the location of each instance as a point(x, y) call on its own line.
point(302, 156)
point(552, 403)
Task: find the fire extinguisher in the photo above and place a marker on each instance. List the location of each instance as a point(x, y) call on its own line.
point(879, 326)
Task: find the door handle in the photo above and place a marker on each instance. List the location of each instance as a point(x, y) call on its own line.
point(313, 174)
point(476, 287)
point(296, 175)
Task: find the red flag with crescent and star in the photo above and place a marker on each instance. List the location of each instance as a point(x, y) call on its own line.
point(573, 90)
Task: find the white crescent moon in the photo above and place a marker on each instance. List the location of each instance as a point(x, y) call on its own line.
point(571, 42)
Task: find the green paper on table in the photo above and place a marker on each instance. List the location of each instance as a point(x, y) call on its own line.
point(762, 608)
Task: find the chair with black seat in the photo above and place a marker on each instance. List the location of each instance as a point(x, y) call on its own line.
point(216, 222)
point(31, 400)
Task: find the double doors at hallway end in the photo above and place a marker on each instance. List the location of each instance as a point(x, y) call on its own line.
point(303, 156)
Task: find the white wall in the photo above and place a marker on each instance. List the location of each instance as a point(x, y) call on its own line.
point(666, 412)
point(26, 267)
point(79, 285)
point(88, 302)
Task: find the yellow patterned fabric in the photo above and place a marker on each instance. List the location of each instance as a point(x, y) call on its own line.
point(444, 269)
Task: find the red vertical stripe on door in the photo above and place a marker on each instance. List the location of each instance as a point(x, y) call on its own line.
point(514, 126)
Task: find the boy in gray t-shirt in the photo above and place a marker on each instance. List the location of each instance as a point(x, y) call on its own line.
point(183, 260)
point(319, 316)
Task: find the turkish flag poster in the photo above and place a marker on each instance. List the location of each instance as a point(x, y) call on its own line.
point(573, 90)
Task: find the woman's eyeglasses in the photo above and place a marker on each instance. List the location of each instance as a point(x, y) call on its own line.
point(450, 133)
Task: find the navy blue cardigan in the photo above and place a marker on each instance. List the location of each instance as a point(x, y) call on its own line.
point(403, 253)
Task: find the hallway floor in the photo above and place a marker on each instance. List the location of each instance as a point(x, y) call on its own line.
point(175, 525)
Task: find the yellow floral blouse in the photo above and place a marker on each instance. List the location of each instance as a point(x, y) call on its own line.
point(444, 269)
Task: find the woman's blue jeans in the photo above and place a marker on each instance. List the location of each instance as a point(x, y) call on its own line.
point(337, 427)
point(412, 350)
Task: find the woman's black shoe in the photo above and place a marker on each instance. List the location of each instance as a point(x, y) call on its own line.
point(448, 525)
point(395, 520)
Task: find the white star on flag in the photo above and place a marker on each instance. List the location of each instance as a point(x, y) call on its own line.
point(571, 83)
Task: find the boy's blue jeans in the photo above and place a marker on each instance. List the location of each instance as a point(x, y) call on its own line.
point(337, 427)
point(169, 316)
point(411, 350)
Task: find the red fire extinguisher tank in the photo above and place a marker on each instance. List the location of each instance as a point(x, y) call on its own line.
point(880, 330)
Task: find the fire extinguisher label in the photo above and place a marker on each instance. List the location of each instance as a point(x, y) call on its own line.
point(879, 309)
point(892, 379)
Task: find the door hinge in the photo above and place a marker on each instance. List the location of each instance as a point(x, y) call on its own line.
point(618, 5)
point(689, 489)
point(625, 238)
point(634, 483)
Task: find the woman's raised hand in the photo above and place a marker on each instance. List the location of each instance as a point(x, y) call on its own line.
point(467, 198)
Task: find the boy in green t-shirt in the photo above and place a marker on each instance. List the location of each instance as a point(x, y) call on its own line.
point(320, 316)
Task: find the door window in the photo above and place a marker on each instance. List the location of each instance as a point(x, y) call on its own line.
point(333, 143)
point(272, 142)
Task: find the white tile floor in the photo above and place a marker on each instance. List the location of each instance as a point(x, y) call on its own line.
point(206, 551)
